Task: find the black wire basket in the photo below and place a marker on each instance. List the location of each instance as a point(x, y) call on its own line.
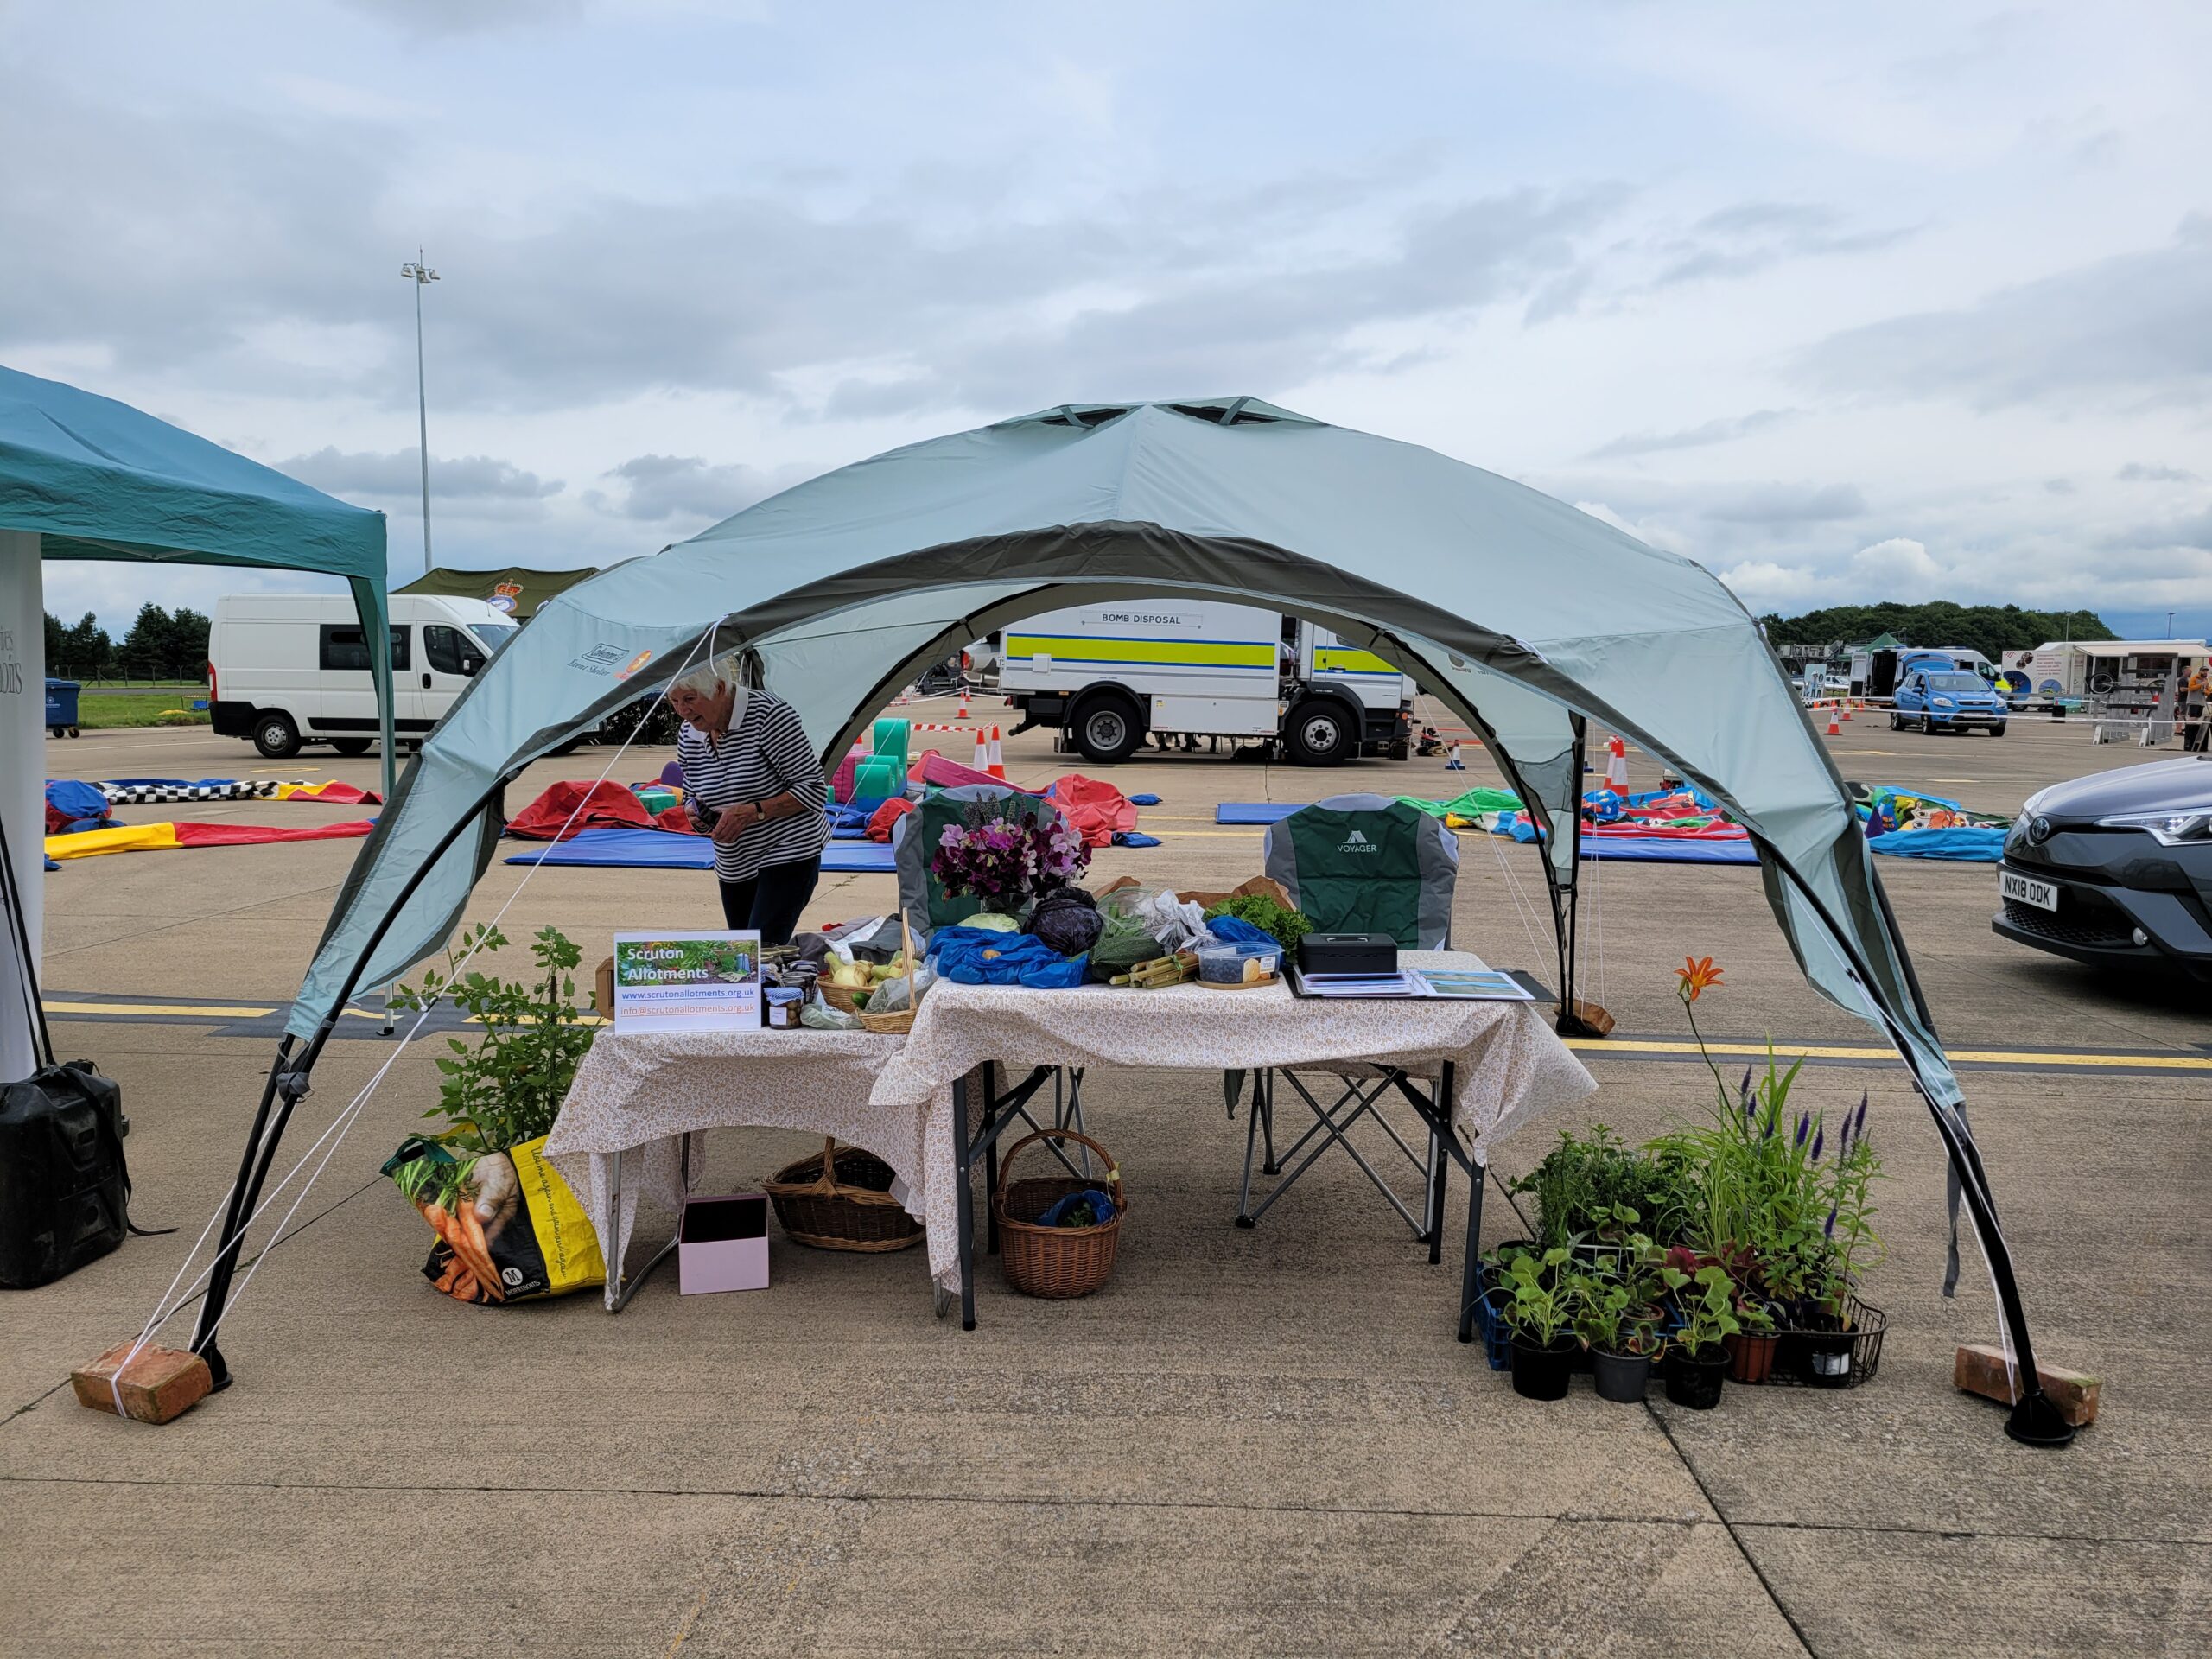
point(1831, 1359)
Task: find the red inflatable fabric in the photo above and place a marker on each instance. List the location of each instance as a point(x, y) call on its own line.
point(605, 805)
point(253, 834)
point(1099, 810)
point(879, 822)
point(933, 768)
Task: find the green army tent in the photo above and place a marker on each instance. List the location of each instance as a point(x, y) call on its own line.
point(1524, 615)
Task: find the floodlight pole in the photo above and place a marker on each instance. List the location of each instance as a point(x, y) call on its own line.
point(422, 275)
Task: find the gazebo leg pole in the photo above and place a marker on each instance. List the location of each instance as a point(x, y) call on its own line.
point(964, 1203)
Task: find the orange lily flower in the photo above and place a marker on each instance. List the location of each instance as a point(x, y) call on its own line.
point(1696, 974)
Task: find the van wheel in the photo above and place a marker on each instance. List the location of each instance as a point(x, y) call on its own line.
point(350, 745)
point(1107, 730)
point(275, 736)
point(1318, 735)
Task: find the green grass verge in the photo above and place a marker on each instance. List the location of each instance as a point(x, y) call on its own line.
point(96, 713)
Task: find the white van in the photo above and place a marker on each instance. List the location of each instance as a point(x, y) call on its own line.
point(1109, 674)
point(290, 669)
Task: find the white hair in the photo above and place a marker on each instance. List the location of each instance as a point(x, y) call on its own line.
point(700, 681)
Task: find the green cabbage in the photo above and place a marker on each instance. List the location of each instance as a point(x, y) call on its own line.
point(992, 920)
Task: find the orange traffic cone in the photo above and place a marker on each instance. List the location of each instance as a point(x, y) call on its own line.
point(1834, 730)
point(982, 760)
point(962, 715)
point(1845, 705)
point(996, 764)
point(1617, 766)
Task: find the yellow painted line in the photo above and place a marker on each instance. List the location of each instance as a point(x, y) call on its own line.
point(1829, 1052)
point(195, 1009)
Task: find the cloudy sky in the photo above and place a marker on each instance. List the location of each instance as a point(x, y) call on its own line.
point(1846, 302)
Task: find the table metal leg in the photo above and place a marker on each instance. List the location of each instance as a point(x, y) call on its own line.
point(621, 1286)
point(991, 1162)
point(1439, 1168)
point(1470, 1271)
point(964, 1204)
point(1263, 1103)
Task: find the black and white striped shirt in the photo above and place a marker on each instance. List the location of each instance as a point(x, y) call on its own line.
point(765, 754)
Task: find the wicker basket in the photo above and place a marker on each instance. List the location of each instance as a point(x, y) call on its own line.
point(840, 1198)
point(1056, 1261)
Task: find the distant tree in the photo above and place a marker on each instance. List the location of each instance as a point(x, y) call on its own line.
point(1990, 629)
point(82, 651)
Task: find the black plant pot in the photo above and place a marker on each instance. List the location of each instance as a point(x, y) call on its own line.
point(1620, 1378)
point(1695, 1382)
point(1824, 1358)
point(1541, 1373)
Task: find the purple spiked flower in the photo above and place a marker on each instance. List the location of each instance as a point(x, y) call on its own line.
point(1804, 1123)
point(1859, 1122)
point(1829, 1229)
point(1820, 1140)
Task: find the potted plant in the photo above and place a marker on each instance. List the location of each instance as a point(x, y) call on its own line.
point(1622, 1336)
point(1831, 1322)
point(1697, 1358)
point(1537, 1297)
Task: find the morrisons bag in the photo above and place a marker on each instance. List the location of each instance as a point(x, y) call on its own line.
point(508, 1227)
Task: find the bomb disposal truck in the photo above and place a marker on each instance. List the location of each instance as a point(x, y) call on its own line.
point(1108, 676)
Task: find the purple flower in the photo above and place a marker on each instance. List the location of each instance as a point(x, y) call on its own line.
point(1820, 1140)
point(1860, 1123)
point(1803, 1124)
point(1829, 1230)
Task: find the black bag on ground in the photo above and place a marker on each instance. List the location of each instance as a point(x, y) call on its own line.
point(64, 1187)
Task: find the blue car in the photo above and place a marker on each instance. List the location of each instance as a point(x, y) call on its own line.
point(1947, 700)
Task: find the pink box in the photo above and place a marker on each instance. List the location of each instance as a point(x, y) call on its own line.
point(722, 1243)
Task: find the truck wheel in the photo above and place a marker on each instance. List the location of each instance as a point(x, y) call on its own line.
point(350, 746)
point(275, 736)
point(1107, 730)
point(1319, 733)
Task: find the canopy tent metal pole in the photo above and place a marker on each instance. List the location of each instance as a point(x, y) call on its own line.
point(292, 1083)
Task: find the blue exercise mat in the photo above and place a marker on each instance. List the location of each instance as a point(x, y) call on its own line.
point(1254, 811)
point(1969, 843)
point(1668, 849)
point(662, 850)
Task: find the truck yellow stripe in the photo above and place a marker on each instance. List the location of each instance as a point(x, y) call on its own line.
point(1350, 662)
point(1194, 653)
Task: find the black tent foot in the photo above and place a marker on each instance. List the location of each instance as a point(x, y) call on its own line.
point(2036, 1422)
point(216, 1367)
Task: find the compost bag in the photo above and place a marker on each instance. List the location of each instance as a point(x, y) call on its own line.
point(508, 1227)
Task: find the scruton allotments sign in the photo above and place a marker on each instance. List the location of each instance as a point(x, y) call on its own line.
point(687, 981)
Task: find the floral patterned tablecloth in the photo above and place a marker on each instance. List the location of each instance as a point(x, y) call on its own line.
point(638, 1092)
point(893, 1095)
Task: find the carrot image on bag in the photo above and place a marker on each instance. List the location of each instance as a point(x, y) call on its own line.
point(508, 1227)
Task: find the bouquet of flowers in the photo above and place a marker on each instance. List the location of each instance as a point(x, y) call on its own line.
point(1000, 860)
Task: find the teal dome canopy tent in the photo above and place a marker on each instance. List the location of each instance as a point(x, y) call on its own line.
point(1527, 617)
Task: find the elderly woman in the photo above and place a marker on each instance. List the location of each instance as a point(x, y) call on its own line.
point(752, 782)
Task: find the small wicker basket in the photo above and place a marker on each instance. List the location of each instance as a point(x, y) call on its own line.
point(839, 997)
point(840, 1198)
point(1057, 1261)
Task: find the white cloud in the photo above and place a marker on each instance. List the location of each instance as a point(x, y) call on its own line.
point(1900, 568)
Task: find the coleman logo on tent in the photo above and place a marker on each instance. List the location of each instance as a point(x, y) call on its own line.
point(1357, 842)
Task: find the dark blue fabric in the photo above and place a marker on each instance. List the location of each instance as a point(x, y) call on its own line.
point(1144, 800)
point(81, 803)
point(977, 955)
point(1101, 1206)
point(1131, 838)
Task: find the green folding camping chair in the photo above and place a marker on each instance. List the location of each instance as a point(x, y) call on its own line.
point(1353, 864)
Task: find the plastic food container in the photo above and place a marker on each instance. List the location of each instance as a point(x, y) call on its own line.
point(1237, 964)
point(782, 1005)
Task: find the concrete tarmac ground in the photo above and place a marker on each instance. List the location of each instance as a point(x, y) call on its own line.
point(1261, 1441)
